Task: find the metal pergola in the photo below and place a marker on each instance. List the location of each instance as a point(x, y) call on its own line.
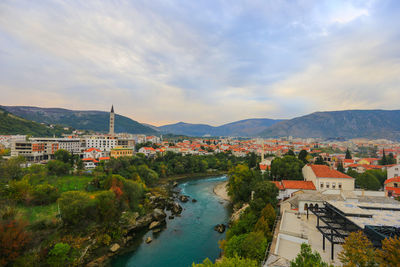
point(335, 227)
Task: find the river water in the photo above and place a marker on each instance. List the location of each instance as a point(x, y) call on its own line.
point(189, 238)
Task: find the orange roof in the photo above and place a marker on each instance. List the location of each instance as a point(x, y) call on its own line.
point(263, 167)
point(104, 158)
point(91, 149)
point(278, 184)
point(323, 171)
point(394, 179)
point(348, 161)
point(293, 184)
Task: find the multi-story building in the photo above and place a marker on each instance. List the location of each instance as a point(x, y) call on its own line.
point(325, 177)
point(121, 152)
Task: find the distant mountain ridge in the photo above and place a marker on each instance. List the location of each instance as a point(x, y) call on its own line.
point(80, 119)
point(242, 128)
point(372, 124)
point(12, 124)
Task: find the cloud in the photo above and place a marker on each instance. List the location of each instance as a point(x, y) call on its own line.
point(200, 61)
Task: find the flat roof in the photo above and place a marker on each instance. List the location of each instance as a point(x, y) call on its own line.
point(363, 213)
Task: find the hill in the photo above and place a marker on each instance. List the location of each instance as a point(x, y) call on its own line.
point(11, 124)
point(347, 124)
point(84, 120)
point(243, 128)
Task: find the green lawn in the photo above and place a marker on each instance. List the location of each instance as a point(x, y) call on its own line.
point(70, 182)
point(37, 213)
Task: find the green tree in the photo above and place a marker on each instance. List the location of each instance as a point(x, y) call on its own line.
point(306, 258)
point(240, 182)
point(287, 168)
point(340, 167)
point(56, 167)
point(320, 161)
point(63, 155)
point(351, 172)
point(357, 251)
point(391, 159)
point(76, 208)
point(11, 169)
point(348, 154)
point(251, 245)
point(368, 181)
point(303, 156)
point(106, 205)
point(383, 161)
point(228, 262)
point(44, 194)
point(290, 153)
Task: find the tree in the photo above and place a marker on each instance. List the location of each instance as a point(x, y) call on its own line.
point(306, 258)
point(391, 159)
point(13, 239)
point(348, 154)
point(357, 251)
point(228, 262)
point(251, 245)
point(290, 153)
point(57, 167)
point(368, 181)
point(63, 155)
point(287, 168)
point(267, 192)
point(320, 161)
point(352, 173)
point(107, 207)
point(383, 161)
point(240, 182)
point(389, 255)
point(303, 156)
point(77, 207)
point(44, 194)
point(340, 167)
point(11, 169)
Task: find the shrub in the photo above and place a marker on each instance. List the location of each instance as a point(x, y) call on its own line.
point(228, 262)
point(59, 255)
point(13, 239)
point(77, 207)
point(45, 194)
point(250, 246)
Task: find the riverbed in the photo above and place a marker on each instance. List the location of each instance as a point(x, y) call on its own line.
point(189, 238)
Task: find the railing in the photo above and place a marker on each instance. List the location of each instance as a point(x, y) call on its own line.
point(270, 243)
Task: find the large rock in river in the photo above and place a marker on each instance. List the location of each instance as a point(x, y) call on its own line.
point(176, 208)
point(159, 214)
point(114, 248)
point(154, 224)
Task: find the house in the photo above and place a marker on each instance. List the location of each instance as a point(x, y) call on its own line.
point(117, 152)
point(325, 177)
point(392, 187)
point(288, 187)
point(148, 151)
point(368, 161)
point(393, 171)
point(92, 153)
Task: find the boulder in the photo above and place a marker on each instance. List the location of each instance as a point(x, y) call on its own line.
point(175, 184)
point(156, 230)
point(148, 239)
point(220, 228)
point(176, 208)
point(194, 200)
point(183, 198)
point(171, 217)
point(154, 224)
point(114, 247)
point(159, 214)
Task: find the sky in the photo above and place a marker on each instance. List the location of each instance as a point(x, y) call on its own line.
point(212, 61)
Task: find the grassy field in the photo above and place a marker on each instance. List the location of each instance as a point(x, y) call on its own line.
point(38, 213)
point(70, 182)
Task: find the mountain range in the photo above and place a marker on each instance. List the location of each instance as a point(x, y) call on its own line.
point(97, 121)
point(346, 124)
point(242, 128)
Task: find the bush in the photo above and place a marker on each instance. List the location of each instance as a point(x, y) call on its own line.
point(59, 255)
point(56, 167)
point(250, 246)
point(307, 258)
point(20, 191)
point(244, 225)
point(106, 206)
point(228, 262)
point(77, 207)
point(45, 194)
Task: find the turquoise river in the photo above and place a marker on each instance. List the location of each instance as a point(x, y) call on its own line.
point(186, 239)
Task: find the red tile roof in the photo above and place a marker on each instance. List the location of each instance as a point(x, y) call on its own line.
point(323, 171)
point(293, 184)
point(91, 149)
point(278, 184)
point(394, 179)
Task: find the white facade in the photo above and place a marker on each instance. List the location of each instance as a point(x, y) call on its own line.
point(393, 171)
point(104, 143)
point(323, 183)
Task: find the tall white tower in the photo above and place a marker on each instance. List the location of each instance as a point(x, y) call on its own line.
point(112, 120)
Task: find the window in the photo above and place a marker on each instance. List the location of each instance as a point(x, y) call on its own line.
point(327, 185)
point(396, 169)
point(340, 185)
point(395, 185)
point(396, 174)
point(322, 185)
point(333, 185)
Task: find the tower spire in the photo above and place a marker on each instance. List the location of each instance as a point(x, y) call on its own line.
point(112, 120)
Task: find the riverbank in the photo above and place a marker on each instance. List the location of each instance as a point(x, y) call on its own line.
point(191, 176)
point(221, 191)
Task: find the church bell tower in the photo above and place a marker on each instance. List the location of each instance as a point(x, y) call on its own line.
point(112, 120)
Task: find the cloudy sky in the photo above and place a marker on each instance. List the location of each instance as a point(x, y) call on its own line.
point(201, 61)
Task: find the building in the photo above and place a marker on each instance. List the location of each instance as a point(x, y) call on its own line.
point(112, 121)
point(393, 171)
point(121, 152)
point(288, 187)
point(325, 177)
point(392, 187)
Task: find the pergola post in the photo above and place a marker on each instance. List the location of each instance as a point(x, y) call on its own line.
point(323, 243)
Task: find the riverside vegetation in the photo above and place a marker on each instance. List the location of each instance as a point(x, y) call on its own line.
point(57, 214)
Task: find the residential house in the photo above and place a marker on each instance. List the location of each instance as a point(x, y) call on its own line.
point(325, 177)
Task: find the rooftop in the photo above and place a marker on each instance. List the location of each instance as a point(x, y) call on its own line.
point(323, 171)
